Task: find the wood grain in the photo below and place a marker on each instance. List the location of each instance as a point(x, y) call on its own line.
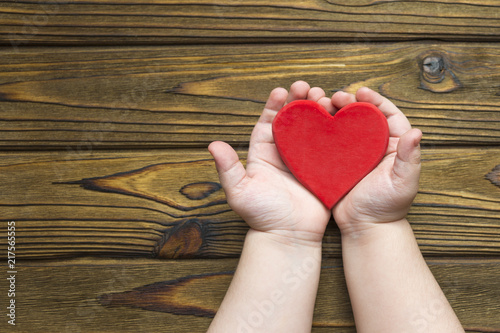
point(144, 97)
point(98, 22)
point(106, 109)
point(181, 296)
point(135, 203)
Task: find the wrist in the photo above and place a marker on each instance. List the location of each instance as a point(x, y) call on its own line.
point(285, 241)
point(379, 232)
point(355, 217)
point(285, 262)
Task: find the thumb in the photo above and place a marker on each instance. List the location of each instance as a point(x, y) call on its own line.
point(231, 171)
point(407, 161)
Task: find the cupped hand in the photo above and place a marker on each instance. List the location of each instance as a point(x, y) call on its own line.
point(386, 193)
point(265, 194)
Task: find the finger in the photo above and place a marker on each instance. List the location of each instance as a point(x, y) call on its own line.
point(274, 103)
point(298, 90)
point(398, 123)
point(318, 95)
point(231, 171)
point(276, 99)
point(327, 104)
point(315, 94)
point(392, 146)
point(262, 132)
point(407, 162)
point(341, 99)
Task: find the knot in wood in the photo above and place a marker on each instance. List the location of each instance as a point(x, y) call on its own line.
point(433, 68)
point(494, 176)
point(436, 73)
point(182, 241)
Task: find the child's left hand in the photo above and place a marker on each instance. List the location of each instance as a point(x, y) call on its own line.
point(265, 194)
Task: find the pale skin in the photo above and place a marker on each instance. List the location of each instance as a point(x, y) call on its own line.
point(274, 287)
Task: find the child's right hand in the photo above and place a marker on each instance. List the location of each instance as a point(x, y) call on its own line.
point(386, 193)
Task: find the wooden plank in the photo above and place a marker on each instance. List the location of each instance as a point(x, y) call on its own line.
point(236, 21)
point(169, 204)
point(87, 98)
point(109, 295)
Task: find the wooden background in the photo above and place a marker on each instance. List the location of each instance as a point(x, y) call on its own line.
point(107, 107)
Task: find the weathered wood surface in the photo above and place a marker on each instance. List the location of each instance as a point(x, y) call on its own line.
point(169, 204)
point(189, 96)
point(88, 294)
point(81, 82)
point(236, 21)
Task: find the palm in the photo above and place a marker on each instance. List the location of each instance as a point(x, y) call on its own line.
point(371, 191)
point(283, 203)
point(386, 193)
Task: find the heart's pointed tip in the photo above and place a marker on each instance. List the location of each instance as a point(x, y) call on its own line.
point(329, 201)
point(329, 205)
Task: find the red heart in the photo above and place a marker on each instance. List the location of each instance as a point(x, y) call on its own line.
point(329, 154)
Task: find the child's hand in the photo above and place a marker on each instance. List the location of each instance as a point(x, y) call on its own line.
point(266, 195)
point(386, 274)
point(385, 194)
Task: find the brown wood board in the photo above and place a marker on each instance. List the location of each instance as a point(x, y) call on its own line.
point(97, 22)
point(107, 107)
point(110, 295)
point(169, 204)
point(144, 97)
